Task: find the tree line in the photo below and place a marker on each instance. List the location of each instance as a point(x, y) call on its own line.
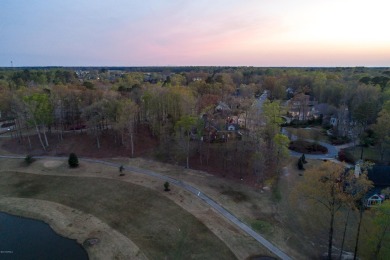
point(172, 105)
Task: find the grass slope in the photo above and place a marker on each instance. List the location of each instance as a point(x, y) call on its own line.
point(157, 225)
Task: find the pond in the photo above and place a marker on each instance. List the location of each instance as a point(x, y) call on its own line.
point(23, 238)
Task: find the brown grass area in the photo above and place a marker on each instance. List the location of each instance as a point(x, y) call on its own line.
point(158, 226)
point(145, 217)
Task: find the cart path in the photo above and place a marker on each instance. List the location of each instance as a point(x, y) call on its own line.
point(213, 204)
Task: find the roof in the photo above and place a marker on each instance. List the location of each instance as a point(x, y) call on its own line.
point(380, 175)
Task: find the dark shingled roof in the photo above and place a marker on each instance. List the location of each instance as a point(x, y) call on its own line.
point(380, 175)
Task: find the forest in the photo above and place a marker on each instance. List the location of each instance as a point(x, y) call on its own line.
point(226, 121)
point(202, 117)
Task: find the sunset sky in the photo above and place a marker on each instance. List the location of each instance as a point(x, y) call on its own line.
point(179, 32)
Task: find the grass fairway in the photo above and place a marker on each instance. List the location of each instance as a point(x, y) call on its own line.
point(159, 227)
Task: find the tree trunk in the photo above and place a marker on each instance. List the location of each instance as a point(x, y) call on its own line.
point(332, 212)
point(188, 152)
point(29, 141)
point(44, 135)
point(200, 151)
point(97, 141)
point(358, 231)
point(62, 130)
point(40, 137)
point(132, 144)
point(379, 245)
point(16, 127)
point(344, 233)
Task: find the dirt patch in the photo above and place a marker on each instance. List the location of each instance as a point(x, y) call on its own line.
point(83, 144)
point(52, 164)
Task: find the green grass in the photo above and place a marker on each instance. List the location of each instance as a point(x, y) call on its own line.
point(261, 226)
point(157, 225)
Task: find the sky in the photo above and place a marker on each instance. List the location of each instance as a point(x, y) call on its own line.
point(296, 33)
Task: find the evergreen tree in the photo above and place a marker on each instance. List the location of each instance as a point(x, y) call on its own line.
point(73, 161)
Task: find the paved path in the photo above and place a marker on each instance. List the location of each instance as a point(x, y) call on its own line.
point(221, 210)
point(332, 149)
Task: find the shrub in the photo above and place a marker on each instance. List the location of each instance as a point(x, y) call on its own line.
point(73, 161)
point(29, 159)
point(303, 158)
point(166, 186)
point(300, 164)
point(262, 226)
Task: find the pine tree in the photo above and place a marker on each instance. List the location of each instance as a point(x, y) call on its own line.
point(73, 161)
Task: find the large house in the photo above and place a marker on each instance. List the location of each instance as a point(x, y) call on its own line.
point(300, 107)
point(380, 176)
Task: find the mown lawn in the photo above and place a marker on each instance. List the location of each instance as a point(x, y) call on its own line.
point(160, 228)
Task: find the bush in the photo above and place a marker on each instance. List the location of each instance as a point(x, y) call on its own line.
point(29, 159)
point(166, 186)
point(300, 164)
point(73, 161)
point(303, 158)
point(262, 226)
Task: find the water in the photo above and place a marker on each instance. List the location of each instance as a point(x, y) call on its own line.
point(23, 238)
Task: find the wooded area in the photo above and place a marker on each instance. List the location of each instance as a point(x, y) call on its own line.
point(195, 113)
point(224, 120)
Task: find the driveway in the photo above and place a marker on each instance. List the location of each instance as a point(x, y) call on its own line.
point(332, 149)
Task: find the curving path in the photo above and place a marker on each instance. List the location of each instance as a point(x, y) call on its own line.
point(218, 208)
point(332, 149)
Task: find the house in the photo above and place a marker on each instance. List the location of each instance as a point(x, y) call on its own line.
point(290, 92)
point(301, 107)
point(373, 199)
point(380, 176)
point(222, 107)
point(232, 127)
point(341, 122)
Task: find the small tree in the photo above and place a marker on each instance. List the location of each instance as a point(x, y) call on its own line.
point(29, 159)
point(166, 186)
point(303, 158)
point(73, 161)
point(300, 164)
